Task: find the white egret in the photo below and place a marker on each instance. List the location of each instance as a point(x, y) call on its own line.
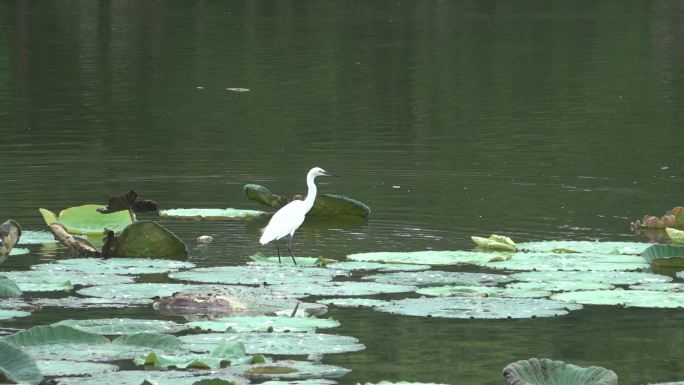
point(288, 219)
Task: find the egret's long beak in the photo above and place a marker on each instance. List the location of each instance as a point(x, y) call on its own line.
point(328, 173)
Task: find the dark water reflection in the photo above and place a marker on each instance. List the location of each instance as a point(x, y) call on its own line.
point(536, 119)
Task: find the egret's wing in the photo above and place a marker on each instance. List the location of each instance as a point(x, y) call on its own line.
point(284, 221)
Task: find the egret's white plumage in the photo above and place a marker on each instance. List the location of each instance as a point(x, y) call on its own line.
point(288, 219)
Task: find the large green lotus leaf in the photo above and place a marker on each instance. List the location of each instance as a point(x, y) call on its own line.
point(256, 275)
point(88, 302)
point(55, 368)
point(156, 341)
point(478, 307)
point(556, 286)
point(8, 288)
point(669, 286)
point(376, 266)
point(495, 242)
point(118, 266)
point(228, 214)
point(29, 237)
point(426, 257)
point(665, 255)
point(52, 335)
point(481, 291)
point(46, 280)
point(19, 251)
point(609, 277)
point(547, 372)
point(354, 302)
point(156, 377)
point(87, 220)
point(571, 261)
point(627, 298)
point(121, 326)
point(134, 291)
point(264, 324)
point(339, 288)
point(103, 352)
point(226, 353)
point(6, 314)
point(585, 247)
point(313, 371)
point(276, 343)
point(435, 277)
point(677, 236)
point(16, 366)
point(145, 239)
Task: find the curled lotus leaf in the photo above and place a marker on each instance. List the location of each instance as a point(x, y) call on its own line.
point(55, 368)
point(665, 255)
point(87, 220)
point(547, 372)
point(229, 214)
point(16, 366)
point(495, 242)
point(264, 324)
point(144, 239)
point(626, 298)
point(429, 257)
point(276, 343)
point(572, 261)
point(585, 247)
point(609, 277)
point(556, 286)
point(482, 291)
point(325, 204)
point(118, 266)
point(478, 307)
point(435, 277)
point(121, 326)
point(677, 236)
point(256, 275)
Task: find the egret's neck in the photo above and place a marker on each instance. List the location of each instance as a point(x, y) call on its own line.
point(311, 195)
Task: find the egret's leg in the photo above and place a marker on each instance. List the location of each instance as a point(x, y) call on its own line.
point(278, 250)
point(289, 248)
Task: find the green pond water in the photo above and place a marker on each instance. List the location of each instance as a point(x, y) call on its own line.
point(535, 119)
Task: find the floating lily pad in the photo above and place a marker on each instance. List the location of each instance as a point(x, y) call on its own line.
point(571, 261)
point(52, 335)
point(19, 251)
point(264, 324)
point(317, 381)
point(46, 280)
point(29, 237)
point(8, 288)
point(87, 220)
point(609, 277)
point(586, 247)
point(276, 343)
point(665, 255)
point(627, 298)
point(224, 354)
point(16, 366)
point(495, 242)
point(88, 302)
point(425, 257)
point(55, 368)
point(669, 286)
point(6, 314)
point(547, 372)
point(375, 266)
point(135, 290)
point(228, 214)
point(481, 291)
point(677, 236)
point(118, 266)
point(339, 288)
point(295, 370)
point(145, 239)
point(260, 259)
point(156, 377)
point(400, 383)
point(121, 326)
point(435, 277)
point(256, 275)
point(556, 286)
point(354, 302)
point(478, 307)
point(156, 341)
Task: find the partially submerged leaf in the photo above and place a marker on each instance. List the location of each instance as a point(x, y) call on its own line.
point(260, 259)
point(325, 204)
point(87, 220)
point(677, 236)
point(290, 369)
point(145, 239)
point(627, 298)
point(55, 368)
point(495, 242)
point(665, 255)
point(229, 214)
point(276, 343)
point(10, 232)
point(547, 372)
point(17, 366)
point(264, 324)
point(121, 326)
